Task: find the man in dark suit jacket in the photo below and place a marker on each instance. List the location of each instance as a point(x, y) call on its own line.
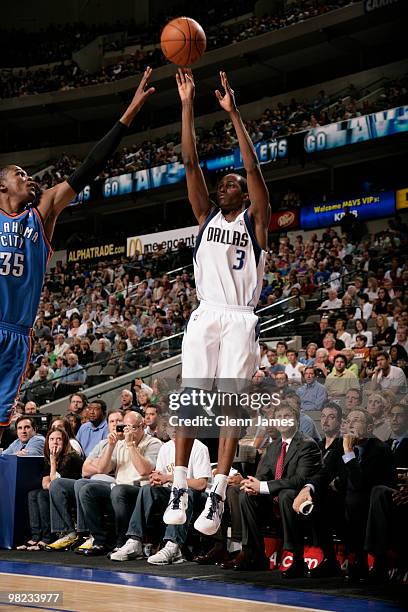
point(388, 513)
point(366, 462)
point(287, 464)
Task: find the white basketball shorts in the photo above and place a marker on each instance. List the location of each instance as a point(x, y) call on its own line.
point(220, 344)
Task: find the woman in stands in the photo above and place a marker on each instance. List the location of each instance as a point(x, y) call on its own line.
point(60, 461)
point(385, 333)
point(360, 327)
point(310, 356)
point(381, 303)
point(58, 423)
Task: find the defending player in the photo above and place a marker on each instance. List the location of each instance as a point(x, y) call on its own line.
point(27, 221)
point(220, 342)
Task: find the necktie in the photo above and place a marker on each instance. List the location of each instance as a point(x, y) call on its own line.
point(394, 445)
point(279, 465)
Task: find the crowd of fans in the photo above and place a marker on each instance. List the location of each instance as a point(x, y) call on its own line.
point(346, 390)
point(283, 120)
point(67, 75)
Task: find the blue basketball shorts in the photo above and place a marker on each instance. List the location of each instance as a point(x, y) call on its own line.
point(15, 352)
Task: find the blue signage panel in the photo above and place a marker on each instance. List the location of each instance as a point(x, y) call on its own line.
point(364, 208)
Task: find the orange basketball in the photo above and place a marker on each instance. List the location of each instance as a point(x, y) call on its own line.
point(183, 41)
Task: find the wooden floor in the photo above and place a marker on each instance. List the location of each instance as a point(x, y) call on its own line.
point(99, 597)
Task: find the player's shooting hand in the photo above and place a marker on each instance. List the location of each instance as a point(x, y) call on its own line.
point(185, 84)
point(226, 101)
point(140, 97)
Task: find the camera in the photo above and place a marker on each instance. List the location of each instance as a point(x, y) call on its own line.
point(120, 428)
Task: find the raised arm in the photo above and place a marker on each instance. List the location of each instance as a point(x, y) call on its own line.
point(54, 200)
point(259, 209)
point(196, 186)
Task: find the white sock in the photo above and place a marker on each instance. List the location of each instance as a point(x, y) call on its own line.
point(220, 485)
point(180, 477)
point(234, 546)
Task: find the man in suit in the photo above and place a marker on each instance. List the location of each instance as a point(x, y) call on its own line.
point(388, 513)
point(283, 470)
point(366, 462)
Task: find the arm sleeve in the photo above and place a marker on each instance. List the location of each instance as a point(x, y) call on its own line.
point(97, 158)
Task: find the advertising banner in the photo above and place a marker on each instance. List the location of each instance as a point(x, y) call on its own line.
point(402, 199)
point(149, 243)
point(99, 251)
point(284, 220)
point(364, 208)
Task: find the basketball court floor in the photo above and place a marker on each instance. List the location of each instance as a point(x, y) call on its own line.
point(96, 585)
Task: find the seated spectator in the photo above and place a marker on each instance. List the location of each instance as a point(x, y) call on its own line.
point(85, 355)
point(77, 402)
point(310, 355)
point(387, 376)
point(340, 380)
point(293, 368)
point(155, 496)
point(353, 399)
point(399, 357)
point(281, 348)
point(64, 496)
point(66, 424)
point(385, 333)
point(28, 443)
point(273, 366)
point(332, 302)
point(312, 394)
point(60, 346)
point(329, 345)
point(31, 408)
point(132, 459)
point(72, 377)
point(60, 460)
point(360, 328)
point(41, 390)
point(376, 406)
point(103, 353)
point(365, 308)
point(279, 477)
point(380, 306)
point(151, 420)
point(342, 334)
point(322, 365)
point(366, 463)
point(351, 366)
point(126, 400)
point(74, 420)
point(360, 347)
point(401, 339)
point(96, 429)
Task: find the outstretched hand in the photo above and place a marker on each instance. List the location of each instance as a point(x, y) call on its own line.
point(226, 101)
point(185, 84)
point(142, 93)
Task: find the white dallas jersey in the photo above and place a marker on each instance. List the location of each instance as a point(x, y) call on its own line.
point(228, 261)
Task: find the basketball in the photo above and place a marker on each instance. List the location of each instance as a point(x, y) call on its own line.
point(183, 41)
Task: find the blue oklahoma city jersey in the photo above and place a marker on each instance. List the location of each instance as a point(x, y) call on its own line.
point(24, 252)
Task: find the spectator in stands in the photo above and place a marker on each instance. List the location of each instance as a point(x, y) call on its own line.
point(401, 339)
point(273, 366)
point(310, 355)
point(340, 380)
point(276, 484)
point(341, 333)
point(376, 406)
point(59, 461)
point(41, 390)
point(155, 495)
point(28, 443)
point(360, 327)
point(60, 346)
point(293, 368)
point(332, 302)
point(387, 376)
point(31, 408)
point(351, 366)
point(126, 400)
point(64, 496)
point(329, 345)
point(353, 399)
point(322, 275)
point(66, 425)
point(151, 420)
point(312, 394)
point(132, 459)
point(96, 429)
point(103, 353)
point(75, 421)
point(322, 365)
point(365, 307)
point(77, 402)
point(360, 347)
point(381, 303)
point(281, 348)
point(85, 355)
point(72, 377)
point(385, 333)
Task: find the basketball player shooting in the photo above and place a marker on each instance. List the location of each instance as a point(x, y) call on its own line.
point(27, 222)
point(220, 343)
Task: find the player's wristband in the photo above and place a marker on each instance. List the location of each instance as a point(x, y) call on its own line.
point(97, 158)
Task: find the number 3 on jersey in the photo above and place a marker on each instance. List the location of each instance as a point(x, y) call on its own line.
point(240, 260)
point(11, 263)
